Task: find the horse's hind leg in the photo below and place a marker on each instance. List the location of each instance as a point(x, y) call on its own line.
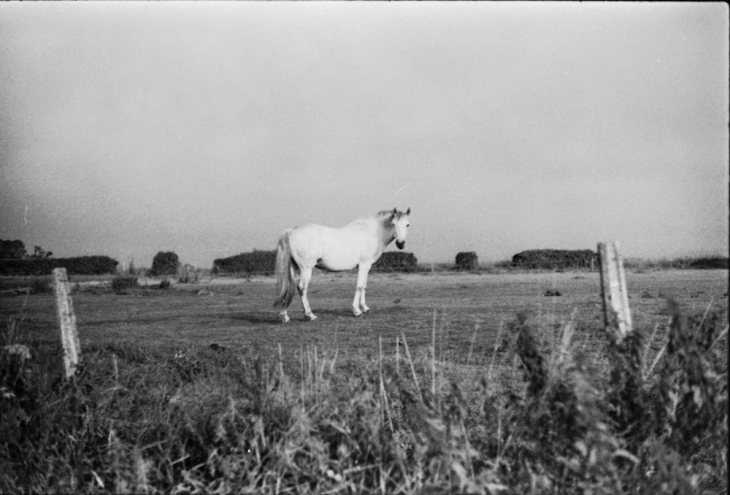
point(362, 283)
point(304, 278)
point(292, 275)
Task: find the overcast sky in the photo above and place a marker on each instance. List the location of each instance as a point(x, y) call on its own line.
point(209, 128)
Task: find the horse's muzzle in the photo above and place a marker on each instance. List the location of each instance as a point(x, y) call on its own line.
point(400, 244)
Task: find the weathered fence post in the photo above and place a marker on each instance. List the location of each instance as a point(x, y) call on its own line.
point(67, 322)
point(616, 313)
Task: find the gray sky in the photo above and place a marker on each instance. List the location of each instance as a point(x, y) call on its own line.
point(208, 128)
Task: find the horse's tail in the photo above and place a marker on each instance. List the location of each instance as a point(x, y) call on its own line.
point(285, 268)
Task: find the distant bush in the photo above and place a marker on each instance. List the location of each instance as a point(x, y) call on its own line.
point(123, 282)
point(710, 263)
point(187, 275)
point(84, 265)
point(396, 261)
point(165, 263)
point(165, 283)
point(12, 250)
point(256, 261)
point(552, 259)
point(467, 261)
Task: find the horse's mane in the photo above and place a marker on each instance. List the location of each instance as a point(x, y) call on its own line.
point(382, 217)
point(383, 213)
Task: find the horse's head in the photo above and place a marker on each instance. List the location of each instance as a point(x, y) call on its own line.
point(400, 226)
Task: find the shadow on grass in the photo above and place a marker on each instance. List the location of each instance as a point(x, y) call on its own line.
point(255, 318)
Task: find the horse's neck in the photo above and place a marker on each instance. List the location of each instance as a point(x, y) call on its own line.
point(386, 233)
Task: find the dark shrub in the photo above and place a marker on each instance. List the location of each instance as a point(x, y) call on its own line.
point(256, 261)
point(396, 261)
point(41, 285)
point(165, 283)
point(467, 261)
point(552, 259)
point(164, 263)
point(123, 282)
point(12, 250)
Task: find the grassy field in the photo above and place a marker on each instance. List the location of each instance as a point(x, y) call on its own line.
point(237, 314)
point(499, 387)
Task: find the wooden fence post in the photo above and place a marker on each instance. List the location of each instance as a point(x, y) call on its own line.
point(67, 322)
point(616, 312)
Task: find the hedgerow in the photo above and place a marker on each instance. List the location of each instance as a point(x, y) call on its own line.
point(257, 261)
point(396, 261)
point(710, 263)
point(84, 265)
point(551, 259)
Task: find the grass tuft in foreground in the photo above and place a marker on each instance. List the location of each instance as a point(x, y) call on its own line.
point(150, 419)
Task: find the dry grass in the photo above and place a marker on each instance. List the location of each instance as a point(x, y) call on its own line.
point(468, 384)
point(532, 415)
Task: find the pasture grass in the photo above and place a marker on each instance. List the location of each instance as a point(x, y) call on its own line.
point(538, 411)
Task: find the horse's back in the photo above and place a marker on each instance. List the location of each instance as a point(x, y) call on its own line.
point(307, 238)
point(331, 248)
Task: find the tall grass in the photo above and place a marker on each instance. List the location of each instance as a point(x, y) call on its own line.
point(146, 419)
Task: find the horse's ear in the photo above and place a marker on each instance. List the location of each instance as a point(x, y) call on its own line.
point(408, 212)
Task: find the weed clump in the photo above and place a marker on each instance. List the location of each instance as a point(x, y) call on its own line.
point(41, 285)
point(123, 282)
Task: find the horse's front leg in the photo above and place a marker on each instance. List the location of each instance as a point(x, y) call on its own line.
point(362, 282)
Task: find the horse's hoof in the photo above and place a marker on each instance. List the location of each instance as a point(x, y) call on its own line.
point(285, 320)
point(365, 310)
point(358, 314)
point(310, 317)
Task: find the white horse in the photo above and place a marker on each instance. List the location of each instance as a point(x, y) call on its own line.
point(358, 244)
